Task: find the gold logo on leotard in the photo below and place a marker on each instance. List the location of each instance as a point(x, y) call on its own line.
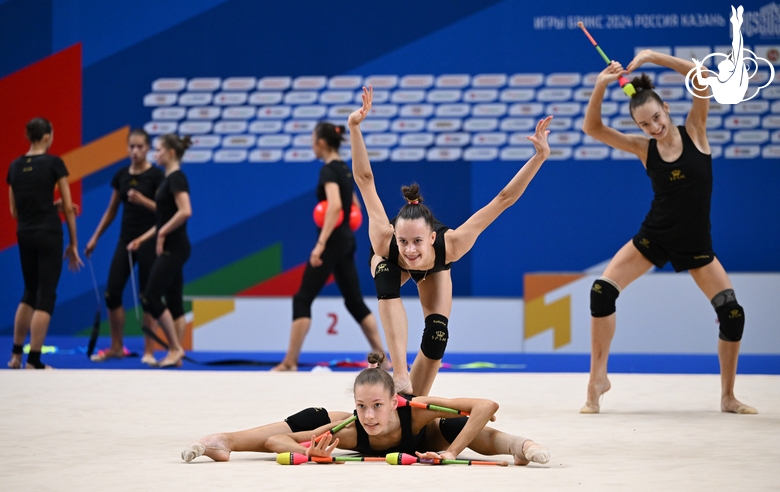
point(676, 175)
point(701, 257)
point(645, 242)
point(27, 169)
point(382, 268)
point(596, 288)
point(133, 182)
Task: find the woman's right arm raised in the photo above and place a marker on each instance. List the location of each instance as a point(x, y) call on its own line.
point(379, 228)
point(594, 127)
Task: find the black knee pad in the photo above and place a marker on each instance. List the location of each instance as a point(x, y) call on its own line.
point(730, 314)
point(113, 299)
point(387, 279)
point(155, 307)
point(308, 419)
point(435, 336)
point(603, 295)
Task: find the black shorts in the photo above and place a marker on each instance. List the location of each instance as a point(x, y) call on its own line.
point(308, 419)
point(450, 428)
point(659, 255)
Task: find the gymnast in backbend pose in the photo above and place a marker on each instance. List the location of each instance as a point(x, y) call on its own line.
point(381, 427)
point(415, 245)
point(677, 228)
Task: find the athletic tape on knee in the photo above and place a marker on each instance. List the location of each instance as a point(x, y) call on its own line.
point(387, 279)
point(435, 336)
point(308, 419)
point(730, 315)
point(603, 295)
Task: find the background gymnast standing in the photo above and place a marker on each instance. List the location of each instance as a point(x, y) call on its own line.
point(172, 247)
point(414, 245)
point(677, 228)
point(134, 186)
point(31, 181)
point(334, 251)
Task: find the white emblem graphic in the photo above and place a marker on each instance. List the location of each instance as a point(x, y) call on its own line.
point(730, 84)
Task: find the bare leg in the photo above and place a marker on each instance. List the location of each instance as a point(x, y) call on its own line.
point(116, 321)
point(148, 357)
point(219, 446)
point(39, 326)
point(175, 351)
point(491, 442)
point(627, 265)
point(713, 279)
point(424, 371)
point(298, 330)
point(22, 321)
point(396, 326)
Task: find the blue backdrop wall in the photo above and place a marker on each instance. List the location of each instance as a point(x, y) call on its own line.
point(575, 214)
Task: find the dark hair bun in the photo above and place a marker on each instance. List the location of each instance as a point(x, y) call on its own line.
point(642, 83)
point(412, 193)
point(376, 358)
point(186, 142)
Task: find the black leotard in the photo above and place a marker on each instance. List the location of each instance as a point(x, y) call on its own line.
point(439, 248)
point(136, 218)
point(410, 442)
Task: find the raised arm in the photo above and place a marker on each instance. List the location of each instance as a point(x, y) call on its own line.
point(459, 241)
point(105, 221)
point(696, 122)
point(379, 228)
point(481, 412)
point(594, 127)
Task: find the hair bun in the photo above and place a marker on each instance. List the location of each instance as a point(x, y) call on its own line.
point(376, 358)
point(642, 83)
point(186, 142)
point(412, 193)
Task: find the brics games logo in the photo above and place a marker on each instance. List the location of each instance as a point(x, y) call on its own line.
point(730, 84)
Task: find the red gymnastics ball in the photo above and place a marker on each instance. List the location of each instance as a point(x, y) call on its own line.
point(355, 216)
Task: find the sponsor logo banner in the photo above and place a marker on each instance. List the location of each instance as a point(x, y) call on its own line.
point(194, 127)
point(204, 84)
point(239, 141)
point(168, 113)
point(160, 99)
point(270, 155)
point(274, 83)
point(239, 84)
point(197, 156)
point(230, 127)
point(230, 156)
point(169, 85)
point(203, 113)
point(454, 81)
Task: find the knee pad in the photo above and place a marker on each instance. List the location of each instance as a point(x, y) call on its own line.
point(603, 295)
point(308, 419)
point(730, 314)
point(387, 279)
point(435, 336)
point(155, 307)
point(113, 299)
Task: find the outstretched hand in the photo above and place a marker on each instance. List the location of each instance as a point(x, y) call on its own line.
point(359, 115)
point(323, 448)
point(446, 455)
point(539, 138)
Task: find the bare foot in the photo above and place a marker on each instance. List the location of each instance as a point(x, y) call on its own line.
point(531, 451)
point(149, 360)
point(214, 446)
point(173, 359)
point(284, 367)
point(45, 366)
point(732, 405)
point(596, 390)
point(15, 362)
point(104, 355)
point(403, 386)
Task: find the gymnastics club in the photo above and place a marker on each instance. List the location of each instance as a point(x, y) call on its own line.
point(408, 459)
point(298, 458)
point(93, 338)
point(330, 432)
point(403, 402)
point(627, 87)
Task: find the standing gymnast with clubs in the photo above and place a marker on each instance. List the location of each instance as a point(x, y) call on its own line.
point(415, 245)
point(334, 251)
point(172, 247)
point(381, 427)
point(677, 228)
point(134, 187)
